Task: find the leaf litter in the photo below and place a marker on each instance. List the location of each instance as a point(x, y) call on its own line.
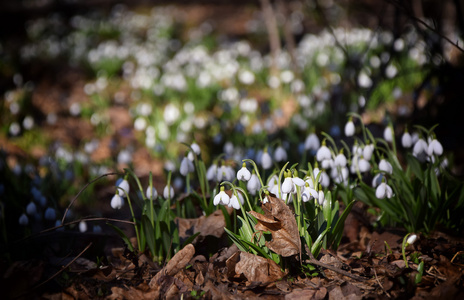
point(228, 273)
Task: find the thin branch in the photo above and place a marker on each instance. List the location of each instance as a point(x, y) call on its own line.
point(314, 261)
point(78, 194)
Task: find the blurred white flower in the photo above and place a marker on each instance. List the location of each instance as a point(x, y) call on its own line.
point(323, 153)
point(420, 147)
point(82, 226)
point(266, 160)
point(151, 193)
point(117, 201)
point(23, 220)
point(253, 184)
point(349, 128)
point(385, 166)
point(406, 140)
point(340, 160)
point(234, 201)
point(168, 192)
point(368, 150)
point(312, 142)
point(171, 114)
point(388, 134)
point(435, 147)
point(211, 173)
point(411, 239)
point(124, 186)
point(246, 77)
point(280, 154)
point(383, 190)
point(186, 166)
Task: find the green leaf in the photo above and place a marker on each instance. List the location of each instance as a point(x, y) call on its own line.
point(337, 231)
point(149, 234)
point(190, 239)
point(123, 236)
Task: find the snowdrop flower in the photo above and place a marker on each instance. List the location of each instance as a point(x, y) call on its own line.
point(327, 164)
point(186, 166)
point(323, 152)
point(82, 226)
point(23, 220)
point(324, 179)
point(196, 150)
point(312, 142)
point(168, 192)
point(272, 181)
point(340, 160)
point(253, 184)
point(406, 140)
point(383, 190)
point(356, 149)
point(308, 193)
point(287, 186)
point(411, 239)
point(420, 147)
point(226, 173)
point(212, 172)
point(388, 134)
point(243, 174)
point(117, 201)
point(363, 165)
point(234, 201)
point(321, 197)
point(435, 147)
point(280, 154)
point(266, 160)
point(368, 150)
point(221, 198)
point(385, 166)
point(349, 128)
point(377, 180)
point(31, 208)
point(151, 193)
point(124, 185)
point(50, 214)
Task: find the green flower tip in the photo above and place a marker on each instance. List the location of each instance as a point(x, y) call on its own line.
point(222, 189)
point(244, 165)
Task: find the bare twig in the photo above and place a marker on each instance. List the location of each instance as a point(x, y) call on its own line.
point(378, 281)
point(78, 194)
point(65, 267)
point(314, 261)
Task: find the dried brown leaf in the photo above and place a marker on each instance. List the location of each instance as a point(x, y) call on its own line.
point(253, 267)
point(280, 221)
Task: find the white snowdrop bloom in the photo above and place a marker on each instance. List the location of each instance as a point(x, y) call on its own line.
point(435, 147)
point(406, 140)
point(391, 71)
point(124, 187)
point(325, 179)
point(275, 190)
point(388, 134)
point(340, 175)
point(377, 180)
point(23, 220)
point(272, 181)
point(306, 194)
point(124, 157)
point(420, 147)
point(28, 122)
point(14, 129)
point(349, 128)
point(168, 192)
point(385, 166)
point(364, 80)
point(266, 160)
point(327, 164)
point(186, 166)
point(82, 226)
point(363, 165)
point(140, 124)
point(246, 77)
point(117, 201)
point(368, 150)
point(171, 114)
point(228, 173)
point(411, 239)
point(243, 174)
point(273, 82)
point(287, 76)
point(383, 190)
point(323, 153)
point(280, 154)
point(229, 148)
point(340, 160)
point(236, 202)
point(31, 208)
point(151, 193)
point(253, 185)
point(211, 173)
point(75, 109)
point(357, 150)
point(196, 149)
point(221, 198)
point(287, 186)
point(309, 181)
point(248, 105)
point(312, 142)
point(50, 214)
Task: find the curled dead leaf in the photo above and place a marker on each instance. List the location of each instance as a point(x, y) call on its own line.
point(254, 268)
point(280, 221)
